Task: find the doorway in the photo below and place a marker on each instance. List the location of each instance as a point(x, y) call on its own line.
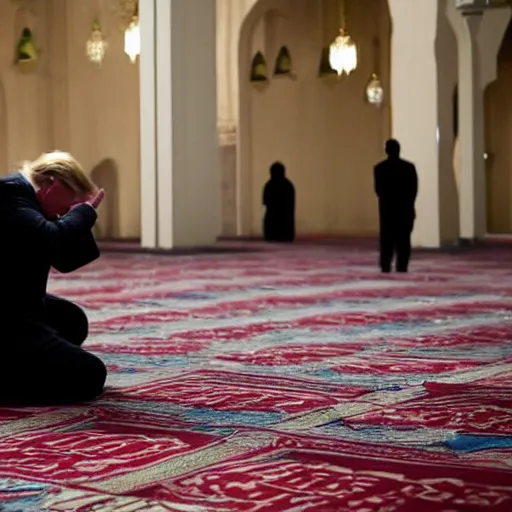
point(498, 138)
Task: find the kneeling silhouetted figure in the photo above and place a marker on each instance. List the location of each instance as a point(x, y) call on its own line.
point(396, 185)
point(279, 201)
point(47, 213)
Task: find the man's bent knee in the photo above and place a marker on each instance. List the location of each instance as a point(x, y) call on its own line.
point(81, 326)
point(97, 378)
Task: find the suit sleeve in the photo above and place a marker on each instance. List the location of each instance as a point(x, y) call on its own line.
point(76, 256)
point(66, 243)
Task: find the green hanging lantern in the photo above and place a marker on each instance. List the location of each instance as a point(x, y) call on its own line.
point(259, 68)
point(26, 50)
point(283, 65)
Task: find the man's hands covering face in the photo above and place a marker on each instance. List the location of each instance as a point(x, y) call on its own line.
point(95, 199)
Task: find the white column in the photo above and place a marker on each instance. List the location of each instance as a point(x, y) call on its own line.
point(188, 184)
point(147, 76)
point(423, 77)
point(472, 186)
point(228, 28)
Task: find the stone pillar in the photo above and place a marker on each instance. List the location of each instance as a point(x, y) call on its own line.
point(148, 169)
point(227, 77)
point(187, 178)
point(479, 38)
point(423, 78)
point(472, 198)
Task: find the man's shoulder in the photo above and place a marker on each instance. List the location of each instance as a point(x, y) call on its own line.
point(14, 184)
point(407, 165)
point(14, 179)
point(382, 165)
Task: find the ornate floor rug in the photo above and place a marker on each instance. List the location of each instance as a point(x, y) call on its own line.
point(280, 381)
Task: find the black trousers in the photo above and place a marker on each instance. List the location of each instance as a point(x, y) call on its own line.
point(395, 239)
point(42, 362)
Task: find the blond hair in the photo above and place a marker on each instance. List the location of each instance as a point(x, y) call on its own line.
point(61, 165)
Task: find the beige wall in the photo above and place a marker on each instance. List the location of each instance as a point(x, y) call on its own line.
point(324, 133)
point(24, 126)
point(71, 105)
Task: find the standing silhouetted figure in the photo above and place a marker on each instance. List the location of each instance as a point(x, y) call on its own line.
point(279, 201)
point(396, 185)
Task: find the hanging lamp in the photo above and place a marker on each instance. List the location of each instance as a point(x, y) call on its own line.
point(374, 90)
point(132, 36)
point(96, 45)
point(343, 50)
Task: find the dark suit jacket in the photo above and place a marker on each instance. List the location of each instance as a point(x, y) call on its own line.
point(396, 185)
point(31, 245)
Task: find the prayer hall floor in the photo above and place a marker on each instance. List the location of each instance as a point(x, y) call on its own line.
point(288, 379)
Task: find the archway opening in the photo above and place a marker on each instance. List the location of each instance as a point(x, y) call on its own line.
point(498, 138)
point(323, 130)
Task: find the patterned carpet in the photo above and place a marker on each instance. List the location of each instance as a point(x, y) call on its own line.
point(286, 380)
